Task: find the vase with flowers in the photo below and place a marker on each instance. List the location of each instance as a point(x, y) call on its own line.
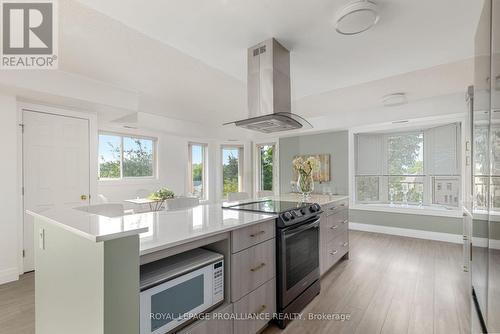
point(305, 169)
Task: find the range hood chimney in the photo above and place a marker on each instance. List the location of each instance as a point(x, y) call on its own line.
point(268, 88)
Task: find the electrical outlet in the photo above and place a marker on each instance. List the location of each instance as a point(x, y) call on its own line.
point(41, 238)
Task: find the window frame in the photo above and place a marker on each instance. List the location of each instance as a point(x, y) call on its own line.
point(122, 177)
point(204, 174)
point(258, 166)
point(411, 125)
point(241, 158)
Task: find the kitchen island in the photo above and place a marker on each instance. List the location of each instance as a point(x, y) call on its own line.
point(87, 265)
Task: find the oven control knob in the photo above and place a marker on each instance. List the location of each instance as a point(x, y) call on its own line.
point(303, 211)
point(287, 216)
point(312, 208)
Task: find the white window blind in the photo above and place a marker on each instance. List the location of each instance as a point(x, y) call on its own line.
point(441, 150)
point(370, 157)
point(409, 167)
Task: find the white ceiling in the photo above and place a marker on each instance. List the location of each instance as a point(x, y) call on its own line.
point(411, 35)
point(186, 59)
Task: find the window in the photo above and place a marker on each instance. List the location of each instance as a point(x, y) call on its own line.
point(197, 170)
point(367, 188)
point(266, 156)
point(123, 156)
point(405, 154)
point(482, 167)
point(232, 162)
point(414, 167)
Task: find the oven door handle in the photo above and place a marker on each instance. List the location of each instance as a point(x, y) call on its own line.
point(314, 224)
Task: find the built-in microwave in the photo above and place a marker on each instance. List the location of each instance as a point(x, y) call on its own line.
point(175, 289)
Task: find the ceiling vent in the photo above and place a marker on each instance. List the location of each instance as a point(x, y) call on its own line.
point(356, 17)
point(395, 99)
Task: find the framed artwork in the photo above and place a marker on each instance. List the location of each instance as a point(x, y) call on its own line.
point(323, 172)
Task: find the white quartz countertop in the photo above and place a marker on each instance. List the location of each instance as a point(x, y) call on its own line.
point(165, 229)
point(158, 230)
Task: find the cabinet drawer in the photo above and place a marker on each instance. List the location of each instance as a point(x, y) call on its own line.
point(334, 207)
point(252, 267)
point(336, 248)
point(213, 325)
point(336, 224)
point(262, 303)
point(252, 235)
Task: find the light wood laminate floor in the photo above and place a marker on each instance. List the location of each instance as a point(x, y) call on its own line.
point(390, 284)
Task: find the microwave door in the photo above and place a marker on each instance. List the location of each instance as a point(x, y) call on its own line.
point(166, 306)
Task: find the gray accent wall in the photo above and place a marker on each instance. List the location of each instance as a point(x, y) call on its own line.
point(409, 221)
point(333, 143)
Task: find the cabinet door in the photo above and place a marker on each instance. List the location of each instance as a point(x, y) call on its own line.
point(252, 267)
point(261, 303)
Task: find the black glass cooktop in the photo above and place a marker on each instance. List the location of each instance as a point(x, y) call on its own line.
point(268, 206)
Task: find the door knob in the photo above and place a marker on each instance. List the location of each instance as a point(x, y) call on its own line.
point(83, 197)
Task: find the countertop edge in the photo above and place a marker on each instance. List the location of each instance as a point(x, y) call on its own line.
point(204, 235)
point(87, 236)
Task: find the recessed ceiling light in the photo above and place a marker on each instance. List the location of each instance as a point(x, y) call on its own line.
point(356, 17)
point(395, 99)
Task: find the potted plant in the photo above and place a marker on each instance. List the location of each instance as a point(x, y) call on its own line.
point(161, 195)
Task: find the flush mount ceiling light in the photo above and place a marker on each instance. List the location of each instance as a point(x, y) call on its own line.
point(356, 17)
point(395, 99)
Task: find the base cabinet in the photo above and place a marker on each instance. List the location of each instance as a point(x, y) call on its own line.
point(253, 277)
point(220, 322)
point(260, 304)
point(334, 234)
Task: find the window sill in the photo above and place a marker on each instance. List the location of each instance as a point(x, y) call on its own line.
point(128, 181)
point(410, 209)
point(493, 216)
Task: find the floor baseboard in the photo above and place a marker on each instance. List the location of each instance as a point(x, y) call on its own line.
point(8, 275)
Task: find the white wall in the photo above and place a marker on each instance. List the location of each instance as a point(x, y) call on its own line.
point(9, 250)
point(172, 172)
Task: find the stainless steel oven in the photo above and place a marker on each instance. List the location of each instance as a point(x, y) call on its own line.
point(297, 252)
point(298, 266)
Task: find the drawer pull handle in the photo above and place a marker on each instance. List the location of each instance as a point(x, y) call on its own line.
point(260, 266)
point(261, 309)
point(345, 221)
point(334, 227)
point(345, 244)
point(257, 234)
point(334, 252)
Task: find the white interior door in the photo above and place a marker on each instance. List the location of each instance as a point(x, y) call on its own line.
point(55, 167)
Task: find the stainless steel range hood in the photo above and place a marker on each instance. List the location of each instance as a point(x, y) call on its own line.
point(268, 87)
